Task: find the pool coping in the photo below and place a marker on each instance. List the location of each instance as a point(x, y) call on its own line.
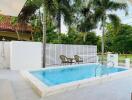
point(43, 90)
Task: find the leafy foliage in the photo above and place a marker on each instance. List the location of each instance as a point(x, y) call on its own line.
point(81, 20)
point(120, 42)
point(103, 11)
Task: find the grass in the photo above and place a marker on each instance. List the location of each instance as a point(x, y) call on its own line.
point(122, 57)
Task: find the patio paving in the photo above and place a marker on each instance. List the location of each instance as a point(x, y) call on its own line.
point(6, 91)
point(113, 90)
point(22, 89)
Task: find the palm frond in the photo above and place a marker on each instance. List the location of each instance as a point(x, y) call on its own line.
point(99, 13)
point(33, 5)
point(115, 20)
point(115, 6)
point(68, 15)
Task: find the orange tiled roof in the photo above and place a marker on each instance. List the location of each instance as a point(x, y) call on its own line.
point(6, 25)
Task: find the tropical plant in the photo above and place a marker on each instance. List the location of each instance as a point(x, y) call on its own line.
point(119, 42)
point(96, 11)
point(104, 11)
point(48, 6)
point(63, 10)
point(66, 10)
point(87, 17)
point(14, 21)
point(1, 18)
point(86, 22)
point(54, 8)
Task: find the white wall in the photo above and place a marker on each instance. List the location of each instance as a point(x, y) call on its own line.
point(53, 52)
point(112, 59)
point(25, 55)
point(4, 55)
point(20, 55)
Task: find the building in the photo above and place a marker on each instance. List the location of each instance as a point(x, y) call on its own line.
point(14, 31)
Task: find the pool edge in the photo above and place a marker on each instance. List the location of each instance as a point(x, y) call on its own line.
point(44, 90)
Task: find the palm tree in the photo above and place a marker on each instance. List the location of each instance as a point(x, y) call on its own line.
point(31, 7)
point(65, 9)
point(103, 11)
point(48, 6)
point(56, 9)
point(87, 21)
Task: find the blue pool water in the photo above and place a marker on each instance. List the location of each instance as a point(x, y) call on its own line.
point(52, 77)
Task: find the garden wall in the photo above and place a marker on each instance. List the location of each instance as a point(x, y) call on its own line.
point(4, 55)
point(20, 55)
point(25, 55)
point(87, 52)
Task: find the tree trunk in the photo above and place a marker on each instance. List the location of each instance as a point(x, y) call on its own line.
point(44, 35)
point(32, 36)
point(18, 36)
point(84, 37)
point(59, 24)
point(102, 39)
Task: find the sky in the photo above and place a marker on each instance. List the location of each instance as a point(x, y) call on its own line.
point(125, 19)
point(11, 7)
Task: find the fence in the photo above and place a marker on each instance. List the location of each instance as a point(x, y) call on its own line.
point(121, 58)
point(53, 51)
point(28, 55)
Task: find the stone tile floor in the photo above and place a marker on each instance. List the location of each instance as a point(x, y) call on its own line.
point(22, 89)
point(114, 90)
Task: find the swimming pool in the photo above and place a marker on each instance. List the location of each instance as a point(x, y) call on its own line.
point(52, 77)
point(52, 80)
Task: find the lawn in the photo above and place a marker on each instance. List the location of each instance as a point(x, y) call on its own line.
point(122, 57)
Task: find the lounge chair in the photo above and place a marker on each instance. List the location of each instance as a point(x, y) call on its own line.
point(78, 59)
point(66, 60)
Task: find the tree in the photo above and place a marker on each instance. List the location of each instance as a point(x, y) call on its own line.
point(63, 10)
point(119, 42)
point(66, 9)
point(102, 10)
point(86, 20)
point(14, 21)
point(49, 6)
